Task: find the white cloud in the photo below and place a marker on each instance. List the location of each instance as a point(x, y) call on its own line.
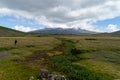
point(23, 29)
point(64, 13)
point(109, 28)
point(112, 28)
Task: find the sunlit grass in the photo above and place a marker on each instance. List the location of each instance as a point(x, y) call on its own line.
point(12, 67)
point(104, 55)
point(100, 55)
point(100, 66)
point(55, 53)
point(100, 43)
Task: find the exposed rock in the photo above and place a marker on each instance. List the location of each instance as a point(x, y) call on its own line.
point(52, 77)
point(43, 73)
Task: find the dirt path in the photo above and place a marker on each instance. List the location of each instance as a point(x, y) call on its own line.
point(3, 54)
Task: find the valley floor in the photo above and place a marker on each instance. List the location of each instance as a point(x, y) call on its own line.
point(97, 58)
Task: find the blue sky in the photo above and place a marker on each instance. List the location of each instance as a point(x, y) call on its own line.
point(28, 15)
point(104, 23)
point(11, 22)
point(115, 22)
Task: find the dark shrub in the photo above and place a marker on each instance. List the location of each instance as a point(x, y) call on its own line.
point(90, 39)
point(75, 51)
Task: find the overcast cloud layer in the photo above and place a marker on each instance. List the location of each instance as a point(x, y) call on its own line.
point(64, 13)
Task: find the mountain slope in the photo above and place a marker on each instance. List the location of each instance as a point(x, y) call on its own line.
point(9, 32)
point(62, 31)
point(117, 33)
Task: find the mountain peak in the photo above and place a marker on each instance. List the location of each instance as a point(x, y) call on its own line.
point(62, 31)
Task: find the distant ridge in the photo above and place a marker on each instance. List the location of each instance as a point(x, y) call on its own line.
point(9, 32)
point(117, 33)
point(62, 31)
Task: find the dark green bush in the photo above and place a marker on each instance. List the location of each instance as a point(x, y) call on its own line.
point(75, 51)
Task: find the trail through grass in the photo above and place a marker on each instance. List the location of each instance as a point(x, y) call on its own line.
point(63, 64)
point(35, 53)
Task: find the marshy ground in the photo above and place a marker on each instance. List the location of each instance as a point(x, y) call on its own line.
point(99, 57)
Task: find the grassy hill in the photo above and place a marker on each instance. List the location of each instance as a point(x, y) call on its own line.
point(116, 33)
point(9, 32)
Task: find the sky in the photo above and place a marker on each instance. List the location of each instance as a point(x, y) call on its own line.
point(29, 15)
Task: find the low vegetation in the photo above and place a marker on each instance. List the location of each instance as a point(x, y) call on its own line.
point(102, 55)
point(14, 64)
point(76, 57)
point(64, 65)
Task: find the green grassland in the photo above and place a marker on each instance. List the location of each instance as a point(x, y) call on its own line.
point(97, 58)
point(101, 54)
point(13, 63)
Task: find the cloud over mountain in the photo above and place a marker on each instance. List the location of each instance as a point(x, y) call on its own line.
point(63, 13)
